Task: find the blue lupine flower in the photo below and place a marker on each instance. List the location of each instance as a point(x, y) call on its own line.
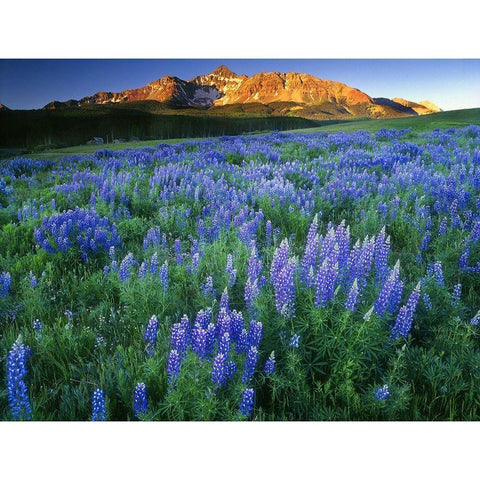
point(125, 266)
point(99, 409)
point(255, 267)
point(382, 393)
point(391, 286)
point(326, 277)
point(223, 323)
point(342, 239)
point(282, 273)
point(82, 228)
point(218, 369)
point(294, 340)
point(199, 340)
point(362, 264)
point(251, 294)
point(475, 233)
point(268, 232)
point(403, 323)
point(203, 317)
point(211, 337)
point(33, 279)
point(269, 367)
point(154, 263)
point(5, 281)
point(254, 282)
point(352, 298)
point(309, 261)
point(427, 301)
point(177, 247)
point(163, 273)
point(207, 288)
point(463, 261)
point(151, 335)
point(179, 337)
point(414, 298)
point(255, 332)
point(395, 296)
point(442, 229)
point(69, 315)
point(173, 365)
point(195, 262)
point(438, 273)
point(153, 238)
point(455, 219)
point(476, 319)
point(38, 327)
point(16, 386)
point(250, 364)
point(201, 228)
point(230, 369)
point(242, 342)
point(425, 241)
point(285, 289)
point(140, 400)
point(232, 273)
point(428, 223)
point(236, 325)
point(142, 271)
point(457, 292)
point(247, 402)
point(224, 301)
point(100, 342)
point(224, 345)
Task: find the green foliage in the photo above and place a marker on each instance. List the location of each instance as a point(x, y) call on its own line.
point(39, 130)
point(342, 358)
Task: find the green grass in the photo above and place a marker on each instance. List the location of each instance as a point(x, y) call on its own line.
point(88, 149)
point(423, 123)
point(342, 359)
point(35, 130)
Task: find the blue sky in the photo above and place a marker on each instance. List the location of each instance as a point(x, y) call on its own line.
point(451, 84)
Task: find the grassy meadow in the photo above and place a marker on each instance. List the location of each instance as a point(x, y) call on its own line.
point(325, 274)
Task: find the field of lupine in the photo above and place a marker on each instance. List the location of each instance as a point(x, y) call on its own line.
point(277, 277)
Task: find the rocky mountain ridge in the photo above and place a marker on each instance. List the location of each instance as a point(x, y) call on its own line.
point(298, 94)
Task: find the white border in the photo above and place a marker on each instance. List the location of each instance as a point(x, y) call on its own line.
point(238, 450)
point(239, 29)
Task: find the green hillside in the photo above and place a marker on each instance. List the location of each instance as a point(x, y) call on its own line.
point(33, 130)
point(422, 123)
point(65, 132)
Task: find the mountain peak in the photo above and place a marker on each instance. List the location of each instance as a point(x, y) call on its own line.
point(291, 93)
point(421, 108)
point(431, 106)
point(223, 71)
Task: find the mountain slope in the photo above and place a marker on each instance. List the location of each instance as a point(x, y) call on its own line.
point(291, 94)
point(291, 87)
point(421, 108)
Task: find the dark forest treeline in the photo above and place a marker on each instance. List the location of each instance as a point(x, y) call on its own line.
point(34, 128)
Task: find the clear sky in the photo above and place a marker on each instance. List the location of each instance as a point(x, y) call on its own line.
point(451, 84)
